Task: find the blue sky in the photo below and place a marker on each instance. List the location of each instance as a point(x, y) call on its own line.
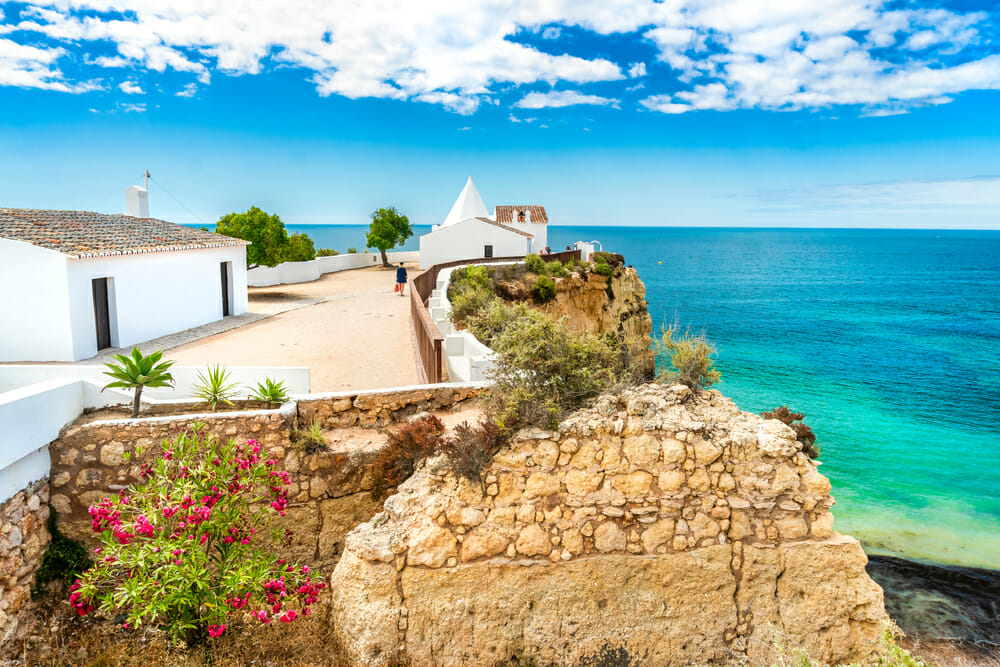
point(689, 112)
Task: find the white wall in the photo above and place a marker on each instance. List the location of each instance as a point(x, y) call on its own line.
point(303, 272)
point(152, 294)
point(35, 304)
point(14, 376)
point(540, 231)
point(468, 360)
point(32, 418)
point(465, 240)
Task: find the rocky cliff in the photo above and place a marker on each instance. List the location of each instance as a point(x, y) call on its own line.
point(656, 527)
point(599, 304)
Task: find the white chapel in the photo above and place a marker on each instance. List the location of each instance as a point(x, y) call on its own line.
point(470, 232)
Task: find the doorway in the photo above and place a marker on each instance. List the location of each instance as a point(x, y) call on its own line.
point(102, 312)
point(225, 270)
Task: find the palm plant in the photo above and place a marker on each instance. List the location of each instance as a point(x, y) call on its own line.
point(213, 387)
point(270, 392)
point(136, 372)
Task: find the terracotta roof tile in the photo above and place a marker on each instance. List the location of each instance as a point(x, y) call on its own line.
point(505, 227)
point(87, 234)
point(507, 213)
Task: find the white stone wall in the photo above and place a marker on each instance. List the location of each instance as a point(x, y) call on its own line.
point(288, 273)
point(34, 301)
point(296, 378)
point(152, 294)
point(466, 240)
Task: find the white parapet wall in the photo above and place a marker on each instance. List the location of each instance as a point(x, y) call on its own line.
point(303, 272)
point(14, 376)
point(31, 418)
point(467, 358)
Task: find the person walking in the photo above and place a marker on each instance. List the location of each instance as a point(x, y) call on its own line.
point(400, 278)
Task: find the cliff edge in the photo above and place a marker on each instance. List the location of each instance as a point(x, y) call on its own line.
point(656, 526)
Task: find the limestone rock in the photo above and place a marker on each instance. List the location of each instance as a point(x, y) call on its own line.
point(678, 534)
point(776, 439)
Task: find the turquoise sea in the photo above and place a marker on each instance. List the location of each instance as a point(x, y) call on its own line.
point(888, 341)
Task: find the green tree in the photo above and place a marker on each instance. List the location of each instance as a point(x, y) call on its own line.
point(300, 248)
point(269, 241)
point(389, 228)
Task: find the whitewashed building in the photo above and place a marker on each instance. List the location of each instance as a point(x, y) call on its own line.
point(76, 282)
point(470, 232)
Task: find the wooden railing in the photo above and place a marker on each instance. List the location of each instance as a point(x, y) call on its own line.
point(430, 342)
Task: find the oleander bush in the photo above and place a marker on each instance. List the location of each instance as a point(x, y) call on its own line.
point(689, 356)
point(191, 546)
point(803, 433)
point(327, 252)
point(408, 444)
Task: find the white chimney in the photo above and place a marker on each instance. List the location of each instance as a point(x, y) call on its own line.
point(137, 202)
point(527, 215)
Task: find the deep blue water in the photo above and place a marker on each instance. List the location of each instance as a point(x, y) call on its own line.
point(888, 341)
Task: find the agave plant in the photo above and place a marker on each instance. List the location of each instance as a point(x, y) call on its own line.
point(270, 392)
point(136, 372)
point(213, 387)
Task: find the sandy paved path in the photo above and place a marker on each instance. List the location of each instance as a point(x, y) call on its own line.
point(359, 338)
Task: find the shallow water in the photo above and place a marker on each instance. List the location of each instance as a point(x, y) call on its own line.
point(888, 341)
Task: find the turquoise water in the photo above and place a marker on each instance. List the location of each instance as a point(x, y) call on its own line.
point(888, 341)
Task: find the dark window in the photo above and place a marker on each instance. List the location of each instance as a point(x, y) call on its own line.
point(102, 312)
point(488, 251)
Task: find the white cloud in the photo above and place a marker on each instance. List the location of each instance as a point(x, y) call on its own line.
point(562, 98)
point(726, 54)
point(36, 67)
point(131, 88)
point(133, 108)
point(188, 91)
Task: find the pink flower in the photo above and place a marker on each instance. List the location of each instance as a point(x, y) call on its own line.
point(262, 616)
point(216, 630)
point(288, 616)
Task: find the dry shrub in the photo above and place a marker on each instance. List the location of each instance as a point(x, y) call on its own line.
point(690, 356)
point(408, 444)
point(803, 433)
point(471, 448)
point(309, 440)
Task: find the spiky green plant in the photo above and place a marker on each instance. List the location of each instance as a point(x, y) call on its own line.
point(214, 387)
point(137, 371)
point(270, 392)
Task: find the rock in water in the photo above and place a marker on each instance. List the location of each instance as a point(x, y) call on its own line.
point(672, 530)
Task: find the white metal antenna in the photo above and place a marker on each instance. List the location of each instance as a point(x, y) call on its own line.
point(145, 179)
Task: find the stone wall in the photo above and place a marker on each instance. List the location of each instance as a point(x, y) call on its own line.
point(23, 539)
point(673, 527)
point(371, 409)
point(329, 493)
